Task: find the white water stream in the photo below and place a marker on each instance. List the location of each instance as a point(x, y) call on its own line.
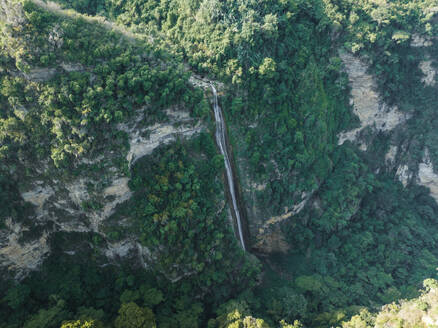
point(220, 139)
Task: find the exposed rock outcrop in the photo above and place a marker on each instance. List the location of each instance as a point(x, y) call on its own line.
point(40, 74)
point(272, 242)
point(270, 238)
point(429, 72)
point(77, 192)
point(82, 198)
point(426, 175)
point(38, 197)
point(43, 74)
point(420, 41)
point(367, 104)
point(21, 257)
point(83, 203)
point(391, 155)
point(120, 249)
point(143, 140)
point(115, 194)
point(403, 174)
point(204, 83)
point(72, 67)
point(374, 115)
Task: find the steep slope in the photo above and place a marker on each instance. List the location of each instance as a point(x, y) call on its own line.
point(108, 154)
point(108, 164)
point(74, 124)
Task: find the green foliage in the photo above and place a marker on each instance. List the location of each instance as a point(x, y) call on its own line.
point(175, 205)
point(407, 313)
point(70, 113)
point(133, 316)
point(236, 314)
point(366, 241)
point(363, 320)
point(267, 68)
point(296, 324)
point(17, 296)
point(287, 304)
point(11, 204)
point(290, 87)
point(80, 324)
point(52, 317)
point(382, 31)
point(151, 296)
point(71, 291)
point(340, 206)
point(375, 251)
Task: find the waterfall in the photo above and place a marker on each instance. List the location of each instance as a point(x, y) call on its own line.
point(221, 141)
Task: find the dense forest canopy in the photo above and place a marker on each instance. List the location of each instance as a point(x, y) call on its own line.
point(70, 80)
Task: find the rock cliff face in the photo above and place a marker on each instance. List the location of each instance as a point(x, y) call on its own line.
point(429, 72)
point(427, 176)
point(83, 203)
point(367, 105)
point(420, 171)
point(264, 226)
point(375, 117)
point(158, 134)
point(81, 199)
point(17, 256)
point(269, 238)
point(374, 113)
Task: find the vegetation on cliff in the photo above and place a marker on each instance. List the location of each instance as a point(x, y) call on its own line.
point(67, 81)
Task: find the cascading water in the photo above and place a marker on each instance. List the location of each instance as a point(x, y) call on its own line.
point(220, 139)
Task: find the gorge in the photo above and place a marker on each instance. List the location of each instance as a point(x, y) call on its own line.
point(220, 164)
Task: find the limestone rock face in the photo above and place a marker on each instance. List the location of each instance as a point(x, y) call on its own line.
point(38, 197)
point(72, 67)
point(265, 227)
point(403, 174)
point(82, 203)
point(18, 256)
point(119, 192)
point(391, 155)
point(429, 72)
point(40, 74)
point(83, 198)
point(420, 41)
point(269, 237)
point(272, 242)
point(80, 199)
point(367, 104)
point(120, 249)
point(143, 141)
point(373, 114)
point(427, 177)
